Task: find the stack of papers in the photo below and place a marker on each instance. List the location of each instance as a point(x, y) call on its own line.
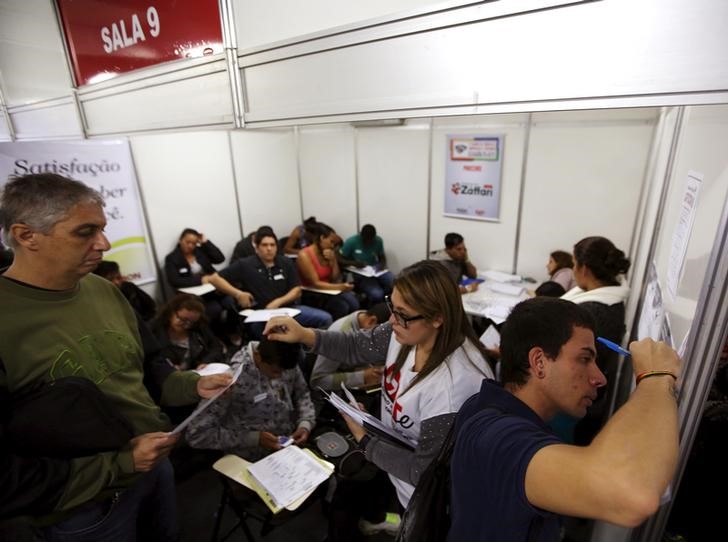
point(508, 289)
point(288, 474)
point(200, 290)
point(367, 421)
point(263, 315)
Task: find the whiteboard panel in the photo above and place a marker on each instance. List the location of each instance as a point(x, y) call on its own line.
point(657, 52)
point(32, 60)
point(327, 165)
point(265, 172)
point(186, 181)
point(197, 100)
point(393, 176)
point(584, 176)
point(703, 138)
point(47, 120)
point(491, 245)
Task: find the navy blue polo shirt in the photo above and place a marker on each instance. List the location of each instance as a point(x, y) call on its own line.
point(265, 283)
point(488, 469)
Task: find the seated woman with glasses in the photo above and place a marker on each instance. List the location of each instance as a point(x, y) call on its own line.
point(185, 339)
point(433, 363)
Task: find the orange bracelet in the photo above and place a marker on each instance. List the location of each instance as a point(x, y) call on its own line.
point(640, 377)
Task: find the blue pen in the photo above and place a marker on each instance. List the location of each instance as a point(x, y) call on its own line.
point(614, 346)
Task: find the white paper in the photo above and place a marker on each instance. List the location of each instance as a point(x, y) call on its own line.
point(366, 271)
point(200, 290)
point(491, 338)
point(683, 229)
point(288, 474)
point(263, 315)
point(213, 369)
point(207, 402)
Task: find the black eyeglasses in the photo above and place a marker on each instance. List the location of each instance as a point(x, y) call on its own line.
point(400, 318)
point(186, 321)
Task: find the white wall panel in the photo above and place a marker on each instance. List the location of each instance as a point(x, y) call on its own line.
point(663, 46)
point(188, 95)
point(490, 245)
point(47, 120)
point(32, 60)
point(265, 171)
point(187, 181)
point(260, 23)
point(327, 165)
point(584, 175)
point(4, 128)
point(393, 177)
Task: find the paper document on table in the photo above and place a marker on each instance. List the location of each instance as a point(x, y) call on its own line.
point(491, 338)
point(236, 468)
point(367, 421)
point(263, 315)
point(508, 289)
point(499, 276)
point(207, 402)
point(367, 271)
point(288, 474)
point(200, 290)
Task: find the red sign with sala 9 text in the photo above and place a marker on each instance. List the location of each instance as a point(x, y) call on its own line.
point(109, 37)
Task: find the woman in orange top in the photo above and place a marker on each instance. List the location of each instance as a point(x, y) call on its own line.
point(319, 269)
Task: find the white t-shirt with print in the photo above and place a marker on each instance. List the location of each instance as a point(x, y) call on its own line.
point(441, 392)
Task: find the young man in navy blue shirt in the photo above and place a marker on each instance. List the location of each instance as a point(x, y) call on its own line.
point(512, 477)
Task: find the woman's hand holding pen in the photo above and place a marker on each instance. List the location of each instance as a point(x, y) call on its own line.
point(373, 375)
point(287, 330)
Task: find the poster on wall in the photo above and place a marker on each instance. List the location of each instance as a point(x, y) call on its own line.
point(111, 37)
point(473, 176)
point(683, 229)
point(107, 167)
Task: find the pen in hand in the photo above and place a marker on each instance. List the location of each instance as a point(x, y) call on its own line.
point(614, 346)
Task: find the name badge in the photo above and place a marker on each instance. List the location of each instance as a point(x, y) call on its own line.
point(258, 398)
point(278, 277)
point(184, 270)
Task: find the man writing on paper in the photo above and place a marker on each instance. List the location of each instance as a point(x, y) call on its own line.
point(367, 249)
point(273, 282)
point(511, 476)
point(60, 321)
point(269, 403)
point(455, 258)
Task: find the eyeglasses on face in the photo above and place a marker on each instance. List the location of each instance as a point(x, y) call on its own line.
point(400, 318)
point(185, 321)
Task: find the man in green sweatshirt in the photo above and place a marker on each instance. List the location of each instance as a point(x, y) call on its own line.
point(59, 320)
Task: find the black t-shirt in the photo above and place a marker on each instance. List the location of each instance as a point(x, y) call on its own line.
point(265, 283)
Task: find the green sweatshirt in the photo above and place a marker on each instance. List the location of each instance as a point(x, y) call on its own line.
point(89, 331)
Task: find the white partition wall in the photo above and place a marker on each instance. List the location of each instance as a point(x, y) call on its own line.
point(328, 176)
point(392, 166)
point(584, 177)
point(187, 181)
point(267, 179)
point(490, 245)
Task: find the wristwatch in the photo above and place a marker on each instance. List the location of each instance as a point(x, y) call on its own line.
point(362, 444)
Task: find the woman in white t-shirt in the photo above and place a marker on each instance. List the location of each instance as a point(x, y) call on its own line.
point(433, 363)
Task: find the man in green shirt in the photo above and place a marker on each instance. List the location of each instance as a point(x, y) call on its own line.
point(58, 320)
point(363, 253)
